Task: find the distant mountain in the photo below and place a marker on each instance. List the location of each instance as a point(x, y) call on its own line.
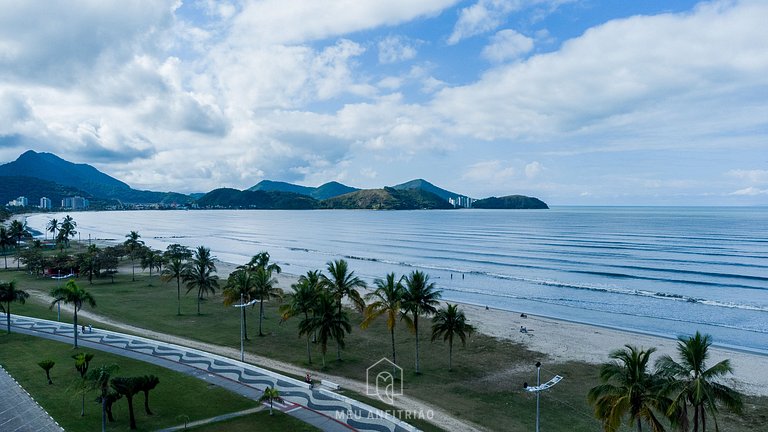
point(259, 199)
point(327, 190)
point(510, 202)
point(421, 184)
point(47, 166)
point(387, 199)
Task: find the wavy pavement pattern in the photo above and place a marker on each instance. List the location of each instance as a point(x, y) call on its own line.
point(356, 415)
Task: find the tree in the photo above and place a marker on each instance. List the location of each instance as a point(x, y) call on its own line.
point(52, 227)
point(691, 382)
point(47, 365)
point(128, 387)
point(8, 295)
point(5, 241)
point(420, 297)
point(302, 300)
point(270, 395)
point(240, 286)
point(449, 322)
point(200, 274)
point(18, 230)
point(133, 245)
point(387, 300)
point(66, 230)
point(72, 294)
point(327, 321)
point(264, 289)
point(176, 256)
point(151, 259)
point(82, 361)
point(628, 388)
point(261, 260)
point(343, 283)
point(147, 383)
point(99, 380)
point(89, 263)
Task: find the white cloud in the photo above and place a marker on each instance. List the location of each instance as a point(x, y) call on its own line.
point(750, 191)
point(753, 176)
point(533, 169)
point(394, 49)
point(507, 45)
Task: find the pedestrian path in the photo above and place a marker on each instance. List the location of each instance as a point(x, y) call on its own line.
point(19, 412)
point(322, 408)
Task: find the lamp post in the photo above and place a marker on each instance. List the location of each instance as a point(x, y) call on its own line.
point(539, 387)
point(242, 307)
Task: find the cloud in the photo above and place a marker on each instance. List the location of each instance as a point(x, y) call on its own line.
point(394, 49)
point(507, 45)
point(753, 176)
point(533, 169)
point(750, 191)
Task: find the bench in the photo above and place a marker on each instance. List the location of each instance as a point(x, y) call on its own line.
point(329, 384)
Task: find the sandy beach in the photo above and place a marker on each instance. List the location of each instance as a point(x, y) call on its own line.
point(562, 341)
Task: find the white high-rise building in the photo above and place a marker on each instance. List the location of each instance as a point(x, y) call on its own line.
point(45, 203)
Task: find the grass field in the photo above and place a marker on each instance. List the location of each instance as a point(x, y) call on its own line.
point(176, 395)
point(485, 387)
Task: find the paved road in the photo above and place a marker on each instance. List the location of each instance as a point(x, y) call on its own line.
point(322, 408)
point(19, 412)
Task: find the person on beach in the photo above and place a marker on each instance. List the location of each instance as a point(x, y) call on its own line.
point(308, 380)
point(90, 328)
point(83, 328)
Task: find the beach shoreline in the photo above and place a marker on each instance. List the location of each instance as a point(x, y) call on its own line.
point(561, 341)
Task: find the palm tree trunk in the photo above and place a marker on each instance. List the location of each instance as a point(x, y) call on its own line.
point(178, 296)
point(309, 352)
point(133, 270)
point(261, 314)
point(5, 257)
point(82, 410)
point(703, 420)
point(146, 402)
point(103, 412)
point(245, 323)
point(696, 418)
point(392, 334)
point(131, 417)
point(338, 343)
point(8, 316)
point(450, 353)
point(199, 298)
point(416, 327)
point(75, 324)
point(639, 426)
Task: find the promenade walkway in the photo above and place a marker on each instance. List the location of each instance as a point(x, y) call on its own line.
point(319, 407)
point(19, 412)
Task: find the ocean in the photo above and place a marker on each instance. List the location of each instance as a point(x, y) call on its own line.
point(664, 271)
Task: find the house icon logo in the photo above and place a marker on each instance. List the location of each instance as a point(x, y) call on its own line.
point(384, 379)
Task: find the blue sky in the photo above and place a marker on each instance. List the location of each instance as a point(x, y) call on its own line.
point(573, 101)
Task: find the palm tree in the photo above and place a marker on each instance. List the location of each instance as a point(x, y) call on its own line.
point(8, 295)
point(82, 361)
point(148, 383)
point(327, 321)
point(18, 230)
point(270, 395)
point(264, 289)
point(67, 230)
point(343, 283)
point(628, 389)
point(449, 322)
point(71, 293)
point(302, 301)
point(151, 259)
point(177, 256)
point(691, 382)
point(99, 379)
point(261, 260)
point(386, 299)
point(52, 227)
point(128, 387)
point(47, 365)
point(200, 274)
point(420, 297)
point(5, 241)
point(240, 286)
point(133, 245)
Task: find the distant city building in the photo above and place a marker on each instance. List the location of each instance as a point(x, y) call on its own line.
point(75, 203)
point(45, 203)
point(461, 201)
point(19, 202)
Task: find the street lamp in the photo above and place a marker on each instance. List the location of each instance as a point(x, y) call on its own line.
point(242, 307)
point(540, 387)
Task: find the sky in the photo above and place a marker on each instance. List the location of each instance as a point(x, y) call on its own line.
point(577, 102)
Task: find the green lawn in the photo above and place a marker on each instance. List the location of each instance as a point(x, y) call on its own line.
point(176, 395)
point(485, 387)
point(259, 422)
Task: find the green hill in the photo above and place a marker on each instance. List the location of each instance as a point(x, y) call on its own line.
point(247, 199)
point(510, 202)
point(325, 191)
point(35, 188)
point(387, 199)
